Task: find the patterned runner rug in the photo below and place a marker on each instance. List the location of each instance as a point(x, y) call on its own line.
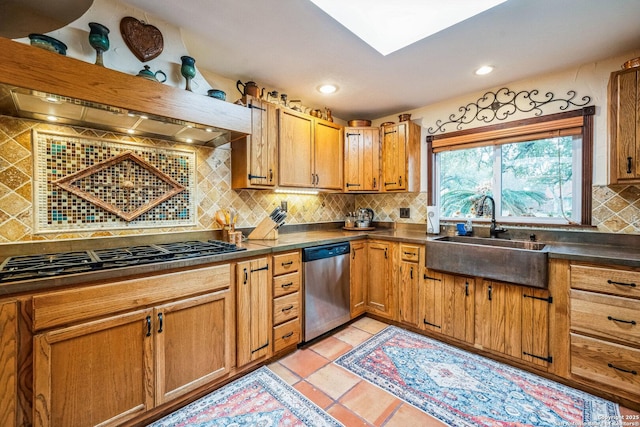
point(260, 398)
point(464, 389)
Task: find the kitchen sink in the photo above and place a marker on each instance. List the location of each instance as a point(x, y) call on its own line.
point(513, 261)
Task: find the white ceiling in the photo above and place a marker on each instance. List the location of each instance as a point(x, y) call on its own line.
point(293, 47)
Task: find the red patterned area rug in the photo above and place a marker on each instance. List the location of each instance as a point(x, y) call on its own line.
point(467, 390)
point(258, 399)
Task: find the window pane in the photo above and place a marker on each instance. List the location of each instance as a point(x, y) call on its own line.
point(537, 178)
point(463, 176)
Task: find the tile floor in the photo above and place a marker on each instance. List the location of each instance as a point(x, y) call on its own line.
point(348, 398)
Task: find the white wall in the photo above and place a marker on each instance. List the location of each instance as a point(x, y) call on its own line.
point(586, 80)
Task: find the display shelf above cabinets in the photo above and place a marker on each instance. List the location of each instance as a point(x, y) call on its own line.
point(624, 127)
point(29, 74)
point(310, 151)
point(401, 157)
point(254, 159)
point(362, 159)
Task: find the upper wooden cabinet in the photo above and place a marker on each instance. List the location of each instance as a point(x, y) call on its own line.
point(624, 126)
point(310, 151)
point(254, 159)
point(361, 159)
point(401, 157)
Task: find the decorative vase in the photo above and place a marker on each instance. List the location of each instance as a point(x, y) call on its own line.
point(99, 40)
point(188, 70)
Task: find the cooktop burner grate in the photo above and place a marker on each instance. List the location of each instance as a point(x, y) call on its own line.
point(60, 264)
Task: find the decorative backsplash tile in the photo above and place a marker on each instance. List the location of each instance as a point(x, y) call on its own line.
point(616, 208)
point(85, 183)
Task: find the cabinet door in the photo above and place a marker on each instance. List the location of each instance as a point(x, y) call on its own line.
point(408, 302)
point(458, 307)
point(628, 126)
point(263, 143)
point(253, 283)
point(393, 157)
point(193, 343)
point(8, 362)
point(328, 155)
point(295, 153)
point(97, 372)
point(358, 275)
point(380, 285)
point(362, 159)
point(431, 300)
point(535, 326)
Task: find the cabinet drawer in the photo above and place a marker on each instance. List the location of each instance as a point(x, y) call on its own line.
point(283, 285)
point(410, 252)
point(606, 316)
point(614, 365)
point(286, 308)
point(286, 335)
point(63, 307)
point(609, 280)
point(286, 263)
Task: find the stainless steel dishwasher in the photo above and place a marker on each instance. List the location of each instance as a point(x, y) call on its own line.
point(325, 272)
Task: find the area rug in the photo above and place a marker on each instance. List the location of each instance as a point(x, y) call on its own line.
point(464, 389)
point(258, 399)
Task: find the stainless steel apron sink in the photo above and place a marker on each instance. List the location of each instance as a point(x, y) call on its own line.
point(513, 261)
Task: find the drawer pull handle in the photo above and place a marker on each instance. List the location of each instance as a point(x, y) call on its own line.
point(631, 285)
point(631, 322)
point(161, 321)
point(287, 264)
point(632, 372)
point(410, 253)
point(148, 326)
point(287, 308)
point(290, 334)
point(286, 285)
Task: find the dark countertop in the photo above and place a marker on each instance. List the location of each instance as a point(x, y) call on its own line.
point(597, 249)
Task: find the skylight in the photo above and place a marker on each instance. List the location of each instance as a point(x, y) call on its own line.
point(388, 26)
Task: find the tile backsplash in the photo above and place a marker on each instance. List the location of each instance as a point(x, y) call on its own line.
point(616, 209)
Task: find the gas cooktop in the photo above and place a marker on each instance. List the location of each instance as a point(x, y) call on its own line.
point(59, 264)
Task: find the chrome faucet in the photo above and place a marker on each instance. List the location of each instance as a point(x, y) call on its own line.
point(494, 231)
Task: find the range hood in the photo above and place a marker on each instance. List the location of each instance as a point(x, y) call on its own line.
point(41, 85)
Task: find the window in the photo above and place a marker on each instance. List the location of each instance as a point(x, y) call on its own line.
point(537, 171)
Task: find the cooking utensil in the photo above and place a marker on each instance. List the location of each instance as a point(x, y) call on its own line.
point(248, 88)
point(220, 218)
point(404, 117)
point(387, 124)
point(635, 62)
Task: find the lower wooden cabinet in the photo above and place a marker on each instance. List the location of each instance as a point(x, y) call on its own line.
point(513, 320)
point(381, 283)
point(98, 369)
point(8, 362)
point(359, 267)
point(411, 260)
point(253, 315)
point(287, 301)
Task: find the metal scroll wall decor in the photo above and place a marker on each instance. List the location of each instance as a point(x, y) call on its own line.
point(503, 103)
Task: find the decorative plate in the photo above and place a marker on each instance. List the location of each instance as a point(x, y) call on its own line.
point(144, 40)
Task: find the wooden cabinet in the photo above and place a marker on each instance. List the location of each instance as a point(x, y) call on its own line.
point(513, 320)
point(447, 305)
point(310, 151)
point(359, 267)
point(401, 157)
point(287, 301)
point(97, 360)
point(253, 311)
point(411, 260)
point(605, 328)
point(8, 362)
point(254, 159)
point(361, 159)
point(381, 283)
point(624, 126)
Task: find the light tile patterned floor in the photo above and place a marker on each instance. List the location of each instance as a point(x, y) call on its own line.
point(348, 398)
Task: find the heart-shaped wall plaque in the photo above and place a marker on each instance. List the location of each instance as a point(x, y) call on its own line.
point(144, 40)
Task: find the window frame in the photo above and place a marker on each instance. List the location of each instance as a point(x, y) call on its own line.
point(517, 130)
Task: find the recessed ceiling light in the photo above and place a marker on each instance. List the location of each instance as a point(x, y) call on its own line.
point(327, 89)
point(144, 117)
point(52, 118)
point(189, 140)
point(388, 26)
point(485, 69)
point(131, 131)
